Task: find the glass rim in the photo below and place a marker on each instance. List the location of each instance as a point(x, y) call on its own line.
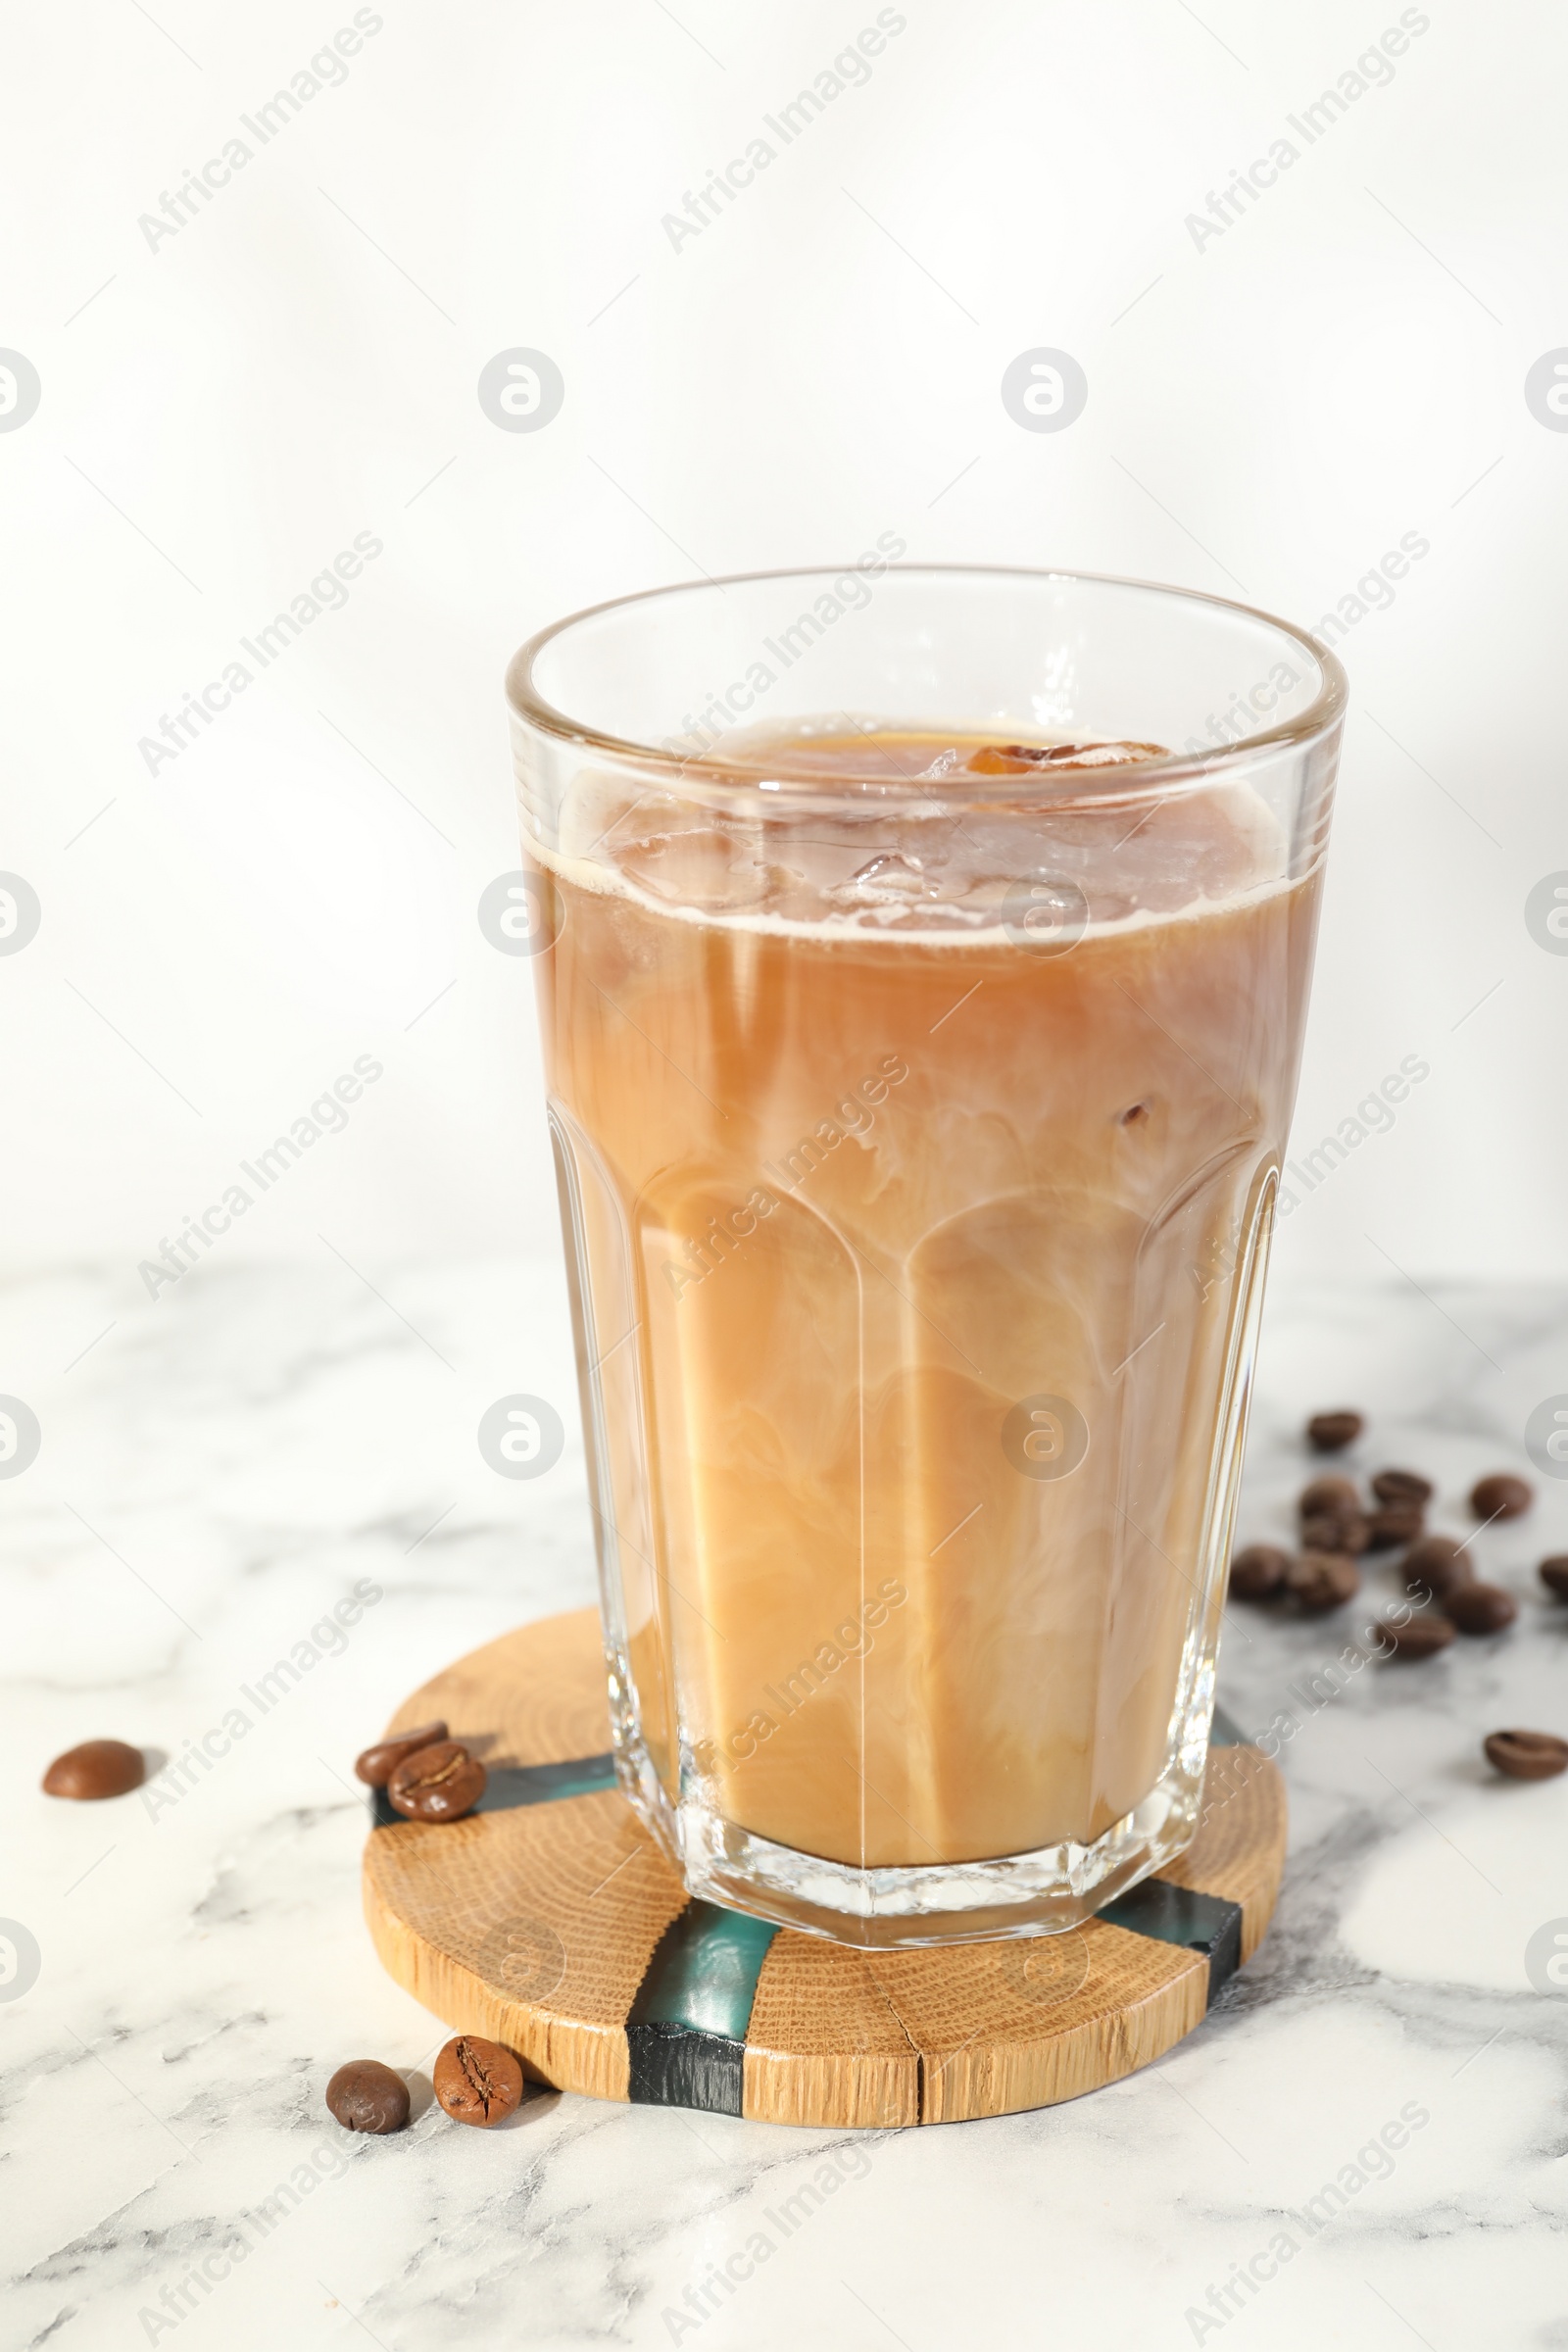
point(1143, 779)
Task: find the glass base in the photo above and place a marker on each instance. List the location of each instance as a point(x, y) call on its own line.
point(1040, 1893)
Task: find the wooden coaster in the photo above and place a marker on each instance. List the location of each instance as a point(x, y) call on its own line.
point(550, 1921)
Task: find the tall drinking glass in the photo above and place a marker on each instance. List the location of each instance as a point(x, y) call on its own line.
point(922, 957)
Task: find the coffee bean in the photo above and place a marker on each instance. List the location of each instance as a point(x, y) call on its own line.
point(1417, 1638)
point(378, 1764)
point(367, 2096)
point(1330, 1432)
point(1322, 1580)
point(1333, 1494)
point(1481, 1608)
point(439, 1783)
point(1334, 1530)
point(477, 2081)
point(1438, 1564)
point(1395, 1524)
point(1500, 1496)
point(1258, 1571)
point(1554, 1574)
point(97, 1768)
point(1527, 1755)
point(1401, 1485)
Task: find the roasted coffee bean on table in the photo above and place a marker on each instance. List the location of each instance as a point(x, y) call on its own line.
point(1527, 1755)
point(1438, 1564)
point(367, 2096)
point(1330, 1432)
point(1258, 1572)
point(1334, 1530)
point(1330, 1494)
point(1554, 1574)
point(378, 1764)
point(1395, 1524)
point(477, 2081)
point(1322, 1580)
point(1500, 1496)
point(1323, 1532)
point(97, 1768)
point(1481, 1608)
point(440, 1782)
point(1418, 1636)
point(1401, 1485)
point(1331, 1516)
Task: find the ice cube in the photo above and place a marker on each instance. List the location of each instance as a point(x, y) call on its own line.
point(887, 880)
point(702, 866)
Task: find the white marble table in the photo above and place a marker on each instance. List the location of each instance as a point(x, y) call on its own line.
point(218, 1469)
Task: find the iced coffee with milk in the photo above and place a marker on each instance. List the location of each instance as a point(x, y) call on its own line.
point(919, 1096)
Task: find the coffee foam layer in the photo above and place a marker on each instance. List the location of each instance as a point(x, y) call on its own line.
point(925, 871)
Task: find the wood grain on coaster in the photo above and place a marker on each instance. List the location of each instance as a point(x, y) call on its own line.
point(552, 1921)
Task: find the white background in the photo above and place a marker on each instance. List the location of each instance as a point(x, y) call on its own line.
point(1267, 415)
